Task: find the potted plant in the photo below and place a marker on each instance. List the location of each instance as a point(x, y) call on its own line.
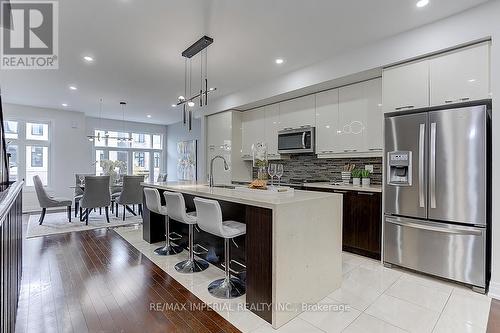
point(356, 177)
point(365, 177)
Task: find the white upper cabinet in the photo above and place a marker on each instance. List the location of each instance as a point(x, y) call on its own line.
point(406, 87)
point(297, 112)
point(252, 130)
point(360, 118)
point(272, 126)
point(327, 121)
point(349, 120)
point(374, 115)
point(461, 75)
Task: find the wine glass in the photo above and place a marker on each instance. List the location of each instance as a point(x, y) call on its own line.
point(271, 170)
point(279, 173)
point(82, 179)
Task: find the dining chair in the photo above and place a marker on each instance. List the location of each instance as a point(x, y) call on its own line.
point(131, 194)
point(47, 201)
point(78, 192)
point(95, 195)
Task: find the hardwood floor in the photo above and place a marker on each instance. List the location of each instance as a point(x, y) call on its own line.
point(94, 281)
point(494, 318)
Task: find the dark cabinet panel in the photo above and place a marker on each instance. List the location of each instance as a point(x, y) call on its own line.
point(367, 215)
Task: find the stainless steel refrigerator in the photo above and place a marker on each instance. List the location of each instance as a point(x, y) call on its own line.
point(437, 193)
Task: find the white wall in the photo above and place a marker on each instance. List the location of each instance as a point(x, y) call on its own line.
point(178, 132)
point(472, 25)
point(68, 148)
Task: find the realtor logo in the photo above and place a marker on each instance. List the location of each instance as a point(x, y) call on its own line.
point(30, 35)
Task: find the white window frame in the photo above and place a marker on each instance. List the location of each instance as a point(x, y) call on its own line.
point(130, 150)
point(21, 142)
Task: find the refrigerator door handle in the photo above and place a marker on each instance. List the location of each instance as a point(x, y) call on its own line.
point(450, 230)
point(421, 151)
point(432, 166)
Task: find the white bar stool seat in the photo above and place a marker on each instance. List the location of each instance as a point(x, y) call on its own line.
point(153, 203)
point(177, 211)
point(210, 220)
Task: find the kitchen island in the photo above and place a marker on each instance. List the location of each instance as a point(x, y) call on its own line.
point(292, 248)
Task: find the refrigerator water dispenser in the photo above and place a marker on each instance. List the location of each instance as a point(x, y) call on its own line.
point(399, 168)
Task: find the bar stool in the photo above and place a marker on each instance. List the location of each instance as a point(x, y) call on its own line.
point(153, 203)
point(210, 220)
point(177, 210)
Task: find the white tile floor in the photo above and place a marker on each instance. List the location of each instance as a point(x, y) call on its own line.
point(377, 299)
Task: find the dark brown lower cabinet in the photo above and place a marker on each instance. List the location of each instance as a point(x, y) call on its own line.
point(362, 222)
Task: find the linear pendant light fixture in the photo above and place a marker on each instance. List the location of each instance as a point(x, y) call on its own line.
point(200, 47)
point(98, 137)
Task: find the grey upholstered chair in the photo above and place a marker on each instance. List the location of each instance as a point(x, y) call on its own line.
point(162, 177)
point(47, 201)
point(131, 194)
point(95, 195)
point(78, 192)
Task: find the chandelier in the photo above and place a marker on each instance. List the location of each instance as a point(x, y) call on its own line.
point(98, 137)
point(198, 96)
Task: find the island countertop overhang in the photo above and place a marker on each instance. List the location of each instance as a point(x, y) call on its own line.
point(271, 201)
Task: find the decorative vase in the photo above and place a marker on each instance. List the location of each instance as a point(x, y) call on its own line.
point(366, 181)
point(356, 181)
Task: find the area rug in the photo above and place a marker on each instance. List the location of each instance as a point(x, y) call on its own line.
point(57, 223)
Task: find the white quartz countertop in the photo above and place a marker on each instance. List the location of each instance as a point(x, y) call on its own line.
point(252, 198)
point(342, 187)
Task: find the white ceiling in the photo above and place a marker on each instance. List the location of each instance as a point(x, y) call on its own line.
point(137, 47)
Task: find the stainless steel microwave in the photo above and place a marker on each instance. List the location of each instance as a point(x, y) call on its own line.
point(296, 141)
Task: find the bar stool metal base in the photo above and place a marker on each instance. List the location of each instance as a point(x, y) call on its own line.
point(168, 250)
point(227, 288)
point(191, 266)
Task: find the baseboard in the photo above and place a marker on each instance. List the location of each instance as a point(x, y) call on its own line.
point(494, 290)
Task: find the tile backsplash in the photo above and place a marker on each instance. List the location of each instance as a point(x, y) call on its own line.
point(309, 167)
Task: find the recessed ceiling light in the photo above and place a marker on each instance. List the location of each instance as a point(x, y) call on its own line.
point(279, 61)
point(149, 116)
point(174, 105)
point(422, 3)
point(181, 98)
point(73, 88)
point(472, 80)
point(65, 104)
point(88, 58)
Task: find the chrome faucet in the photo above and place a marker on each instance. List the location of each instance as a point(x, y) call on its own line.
point(211, 174)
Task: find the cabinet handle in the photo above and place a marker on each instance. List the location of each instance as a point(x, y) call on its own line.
point(365, 193)
point(350, 150)
point(327, 151)
point(463, 99)
point(405, 107)
point(340, 192)
point(376, 149)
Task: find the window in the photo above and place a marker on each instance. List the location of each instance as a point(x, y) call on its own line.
point(141, 164)
point(99, 156)
point(140, 140)
point(13, 162)
point(37, 164)
point(156, 141)
point(37, 131)
point(28, 144)
point(140, 156)
point(10, 128)
point(37, 157)
point(156, 165)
